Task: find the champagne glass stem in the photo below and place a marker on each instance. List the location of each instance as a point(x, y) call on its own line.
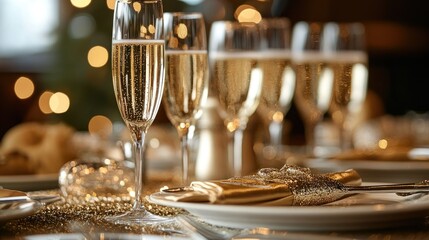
point(276, 129)
point(140, 170)
point(309, 137)
point(237, 152)
point(186, 134)
point(345, 137)
point(185, 158)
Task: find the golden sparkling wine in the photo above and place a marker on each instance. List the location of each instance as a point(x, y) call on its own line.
point(138, 79)
point(314, 82)
point(350, 81)
point(185, 84)
point(237, 79)
point(278, 85)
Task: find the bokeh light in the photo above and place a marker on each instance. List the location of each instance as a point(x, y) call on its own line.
point(44, 102)
point(154, 143)
point(137, 6)
point(383, 143)
point(240, 8)
point(24, 88)
point(250, 15)
point(98, 56)
point(81, 26)
point(80, 3)
point(59, 102)
point(110, 4)
point(101, 126)
point(247, 13)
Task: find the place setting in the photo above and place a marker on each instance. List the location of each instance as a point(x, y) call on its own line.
point(292, 198)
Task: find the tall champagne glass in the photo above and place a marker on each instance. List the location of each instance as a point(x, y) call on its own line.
point(186, 82)
point(314, 78)
point(237, 79)
point(345, 46)
point(138, 81)
point(279, 77)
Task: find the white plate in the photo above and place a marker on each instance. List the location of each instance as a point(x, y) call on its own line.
point(30, 182)
point(374, 171)
point(354, 213)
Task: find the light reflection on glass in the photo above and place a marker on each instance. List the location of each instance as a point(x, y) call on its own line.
point(182, 31)
point(359, 84)
point(325, 89)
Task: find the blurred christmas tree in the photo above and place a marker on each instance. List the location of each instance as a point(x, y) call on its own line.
point(89, 88)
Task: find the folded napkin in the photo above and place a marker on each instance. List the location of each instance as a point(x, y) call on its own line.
point(290, 185)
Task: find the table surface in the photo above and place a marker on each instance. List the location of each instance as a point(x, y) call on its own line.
point(87, 217)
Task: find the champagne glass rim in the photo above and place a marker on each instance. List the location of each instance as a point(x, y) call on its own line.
point(186, 15)
point(142, 1)
point(232, 23)
point(145, 1)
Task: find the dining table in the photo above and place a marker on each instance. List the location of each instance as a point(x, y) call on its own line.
point(84, 217)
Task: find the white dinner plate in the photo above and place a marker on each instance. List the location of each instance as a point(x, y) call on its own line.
point(373, 170)
point(359, 212)
point(30, 182)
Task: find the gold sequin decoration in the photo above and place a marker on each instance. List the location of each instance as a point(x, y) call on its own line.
point(72, 215)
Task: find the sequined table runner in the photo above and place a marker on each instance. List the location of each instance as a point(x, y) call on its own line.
point(87, 215)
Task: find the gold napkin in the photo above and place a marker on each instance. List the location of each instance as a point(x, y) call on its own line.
point(290, 185)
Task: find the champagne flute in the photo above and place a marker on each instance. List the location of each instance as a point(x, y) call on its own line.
point(314, 78)
point(237, 79)
point(186, 82)
point(279, 77)
point(138, 81)
point(345, 45)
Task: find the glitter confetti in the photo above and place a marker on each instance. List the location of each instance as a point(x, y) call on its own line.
point(80, 214)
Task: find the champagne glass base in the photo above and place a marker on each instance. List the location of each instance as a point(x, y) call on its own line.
point(138, 217)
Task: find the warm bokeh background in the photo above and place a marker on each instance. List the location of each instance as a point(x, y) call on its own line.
point(62, 48)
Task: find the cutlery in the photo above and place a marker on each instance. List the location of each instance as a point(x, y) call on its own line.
point(199, 230)
point(42, 199)
point(402, 189)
